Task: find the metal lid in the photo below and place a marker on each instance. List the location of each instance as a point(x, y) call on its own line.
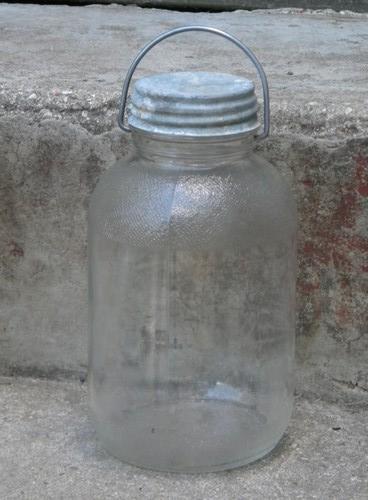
point(194, 104)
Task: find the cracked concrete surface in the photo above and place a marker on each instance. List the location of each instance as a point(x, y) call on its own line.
point(49, 450)
point(60, 79)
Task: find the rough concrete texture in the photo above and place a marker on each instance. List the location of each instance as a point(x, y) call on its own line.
point(61, 72)
point(213, 5)
point(49, 450)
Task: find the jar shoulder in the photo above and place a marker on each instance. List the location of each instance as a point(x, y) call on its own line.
point(133, 176)
point(233, 202)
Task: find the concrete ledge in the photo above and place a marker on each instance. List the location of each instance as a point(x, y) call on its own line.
point(49, 450)
point(68, 63)
point(61, 73)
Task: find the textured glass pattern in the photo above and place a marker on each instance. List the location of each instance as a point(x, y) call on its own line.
point(192, 276)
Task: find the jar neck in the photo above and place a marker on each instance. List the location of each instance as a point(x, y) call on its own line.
point(195, 154)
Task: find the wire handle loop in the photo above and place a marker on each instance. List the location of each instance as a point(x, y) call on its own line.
point(215, 31)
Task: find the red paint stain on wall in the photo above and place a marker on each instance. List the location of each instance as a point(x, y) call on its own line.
point(308, 183)
point(15, 250)
point(333, 243)
point(361, 175)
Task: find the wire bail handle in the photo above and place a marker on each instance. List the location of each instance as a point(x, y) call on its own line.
point(215, 31)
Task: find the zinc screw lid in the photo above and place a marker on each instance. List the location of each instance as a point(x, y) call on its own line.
point(194, 104)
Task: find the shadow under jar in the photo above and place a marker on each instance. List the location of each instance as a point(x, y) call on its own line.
point(192, 283)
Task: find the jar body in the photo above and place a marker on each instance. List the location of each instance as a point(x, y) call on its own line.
point(192, 298)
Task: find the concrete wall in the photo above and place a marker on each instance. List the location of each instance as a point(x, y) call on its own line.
point(61, 73)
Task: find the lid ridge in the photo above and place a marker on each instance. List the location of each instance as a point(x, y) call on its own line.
point(194, 104)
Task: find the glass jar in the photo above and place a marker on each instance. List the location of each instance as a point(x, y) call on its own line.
point(192, 282)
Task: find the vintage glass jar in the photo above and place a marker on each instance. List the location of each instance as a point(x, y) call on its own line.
point(192, 278)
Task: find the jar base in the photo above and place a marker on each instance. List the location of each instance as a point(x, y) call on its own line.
point(194, 436)
point(205, 469)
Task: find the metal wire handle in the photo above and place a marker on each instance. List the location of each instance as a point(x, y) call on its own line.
point(215, 31)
